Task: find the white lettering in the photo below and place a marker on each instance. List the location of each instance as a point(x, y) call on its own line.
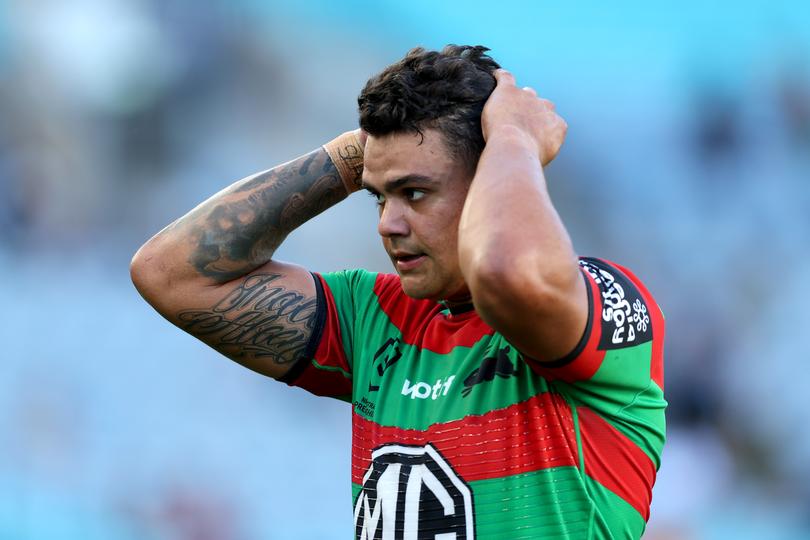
point(385, 507)
point(436, 388)
point(422, 390)
point(421, 475)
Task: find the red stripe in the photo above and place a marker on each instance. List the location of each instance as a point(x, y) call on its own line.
point(421, 322)
point(586, 364)
point(616, 462)
point(529, 436)
point(330, 353)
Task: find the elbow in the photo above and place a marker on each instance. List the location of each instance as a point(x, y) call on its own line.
point(147, 273)
point(140, 270)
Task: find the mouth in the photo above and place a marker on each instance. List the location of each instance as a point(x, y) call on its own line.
point(408, 261)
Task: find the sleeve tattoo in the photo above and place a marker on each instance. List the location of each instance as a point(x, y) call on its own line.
point(237, 231)
point(234, 233)
point(258, 319)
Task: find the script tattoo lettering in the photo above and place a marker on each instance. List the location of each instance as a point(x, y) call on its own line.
point(352, 156)
point(240, 229)
point(257, 319)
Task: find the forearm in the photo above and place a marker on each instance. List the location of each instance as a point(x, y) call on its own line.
point(510, 232)
point(238, 229)
point(514, 252)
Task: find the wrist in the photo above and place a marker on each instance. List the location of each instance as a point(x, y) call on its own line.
point(512, 135)
point(346, 152)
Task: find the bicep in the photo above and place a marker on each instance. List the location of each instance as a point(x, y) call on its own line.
point(543, 323)
point(622, 346)
point(264, 321)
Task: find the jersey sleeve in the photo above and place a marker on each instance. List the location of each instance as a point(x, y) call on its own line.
point(326, 367)
point(617, 371)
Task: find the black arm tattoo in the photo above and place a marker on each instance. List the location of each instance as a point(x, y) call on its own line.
point(256, 320)
point(238, 230)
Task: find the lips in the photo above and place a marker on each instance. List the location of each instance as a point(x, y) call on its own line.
point(406, 258)
point(402, 254)
point(406, 261)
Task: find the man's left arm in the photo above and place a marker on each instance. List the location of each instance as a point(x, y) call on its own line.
point(514, 251)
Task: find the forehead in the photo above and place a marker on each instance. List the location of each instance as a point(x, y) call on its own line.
point(397, 155)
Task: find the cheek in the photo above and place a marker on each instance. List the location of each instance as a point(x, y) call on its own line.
point(445, 252)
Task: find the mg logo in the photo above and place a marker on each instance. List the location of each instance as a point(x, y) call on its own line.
point(412, 493)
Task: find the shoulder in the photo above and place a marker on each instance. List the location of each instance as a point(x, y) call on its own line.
point(368, 295)
point(607, 274)
point(626, 304)
point(362, 283)
point(400, 307)
point(624, 313)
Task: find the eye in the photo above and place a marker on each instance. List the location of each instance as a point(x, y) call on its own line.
point(378, 197)
point(414, 194)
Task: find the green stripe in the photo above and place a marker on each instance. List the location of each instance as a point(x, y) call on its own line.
point(552, 504)
point(578, 433)
point(355, 492)
point(332, 368)
point(544, 504)
point(408, 411)
point(622, 392)
point(614, 518)
point(549, 504)
point(644, 422)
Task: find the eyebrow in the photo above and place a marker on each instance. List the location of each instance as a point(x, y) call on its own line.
point(396, 183)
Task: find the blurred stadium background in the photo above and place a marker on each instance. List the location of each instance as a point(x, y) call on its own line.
point(688, 160)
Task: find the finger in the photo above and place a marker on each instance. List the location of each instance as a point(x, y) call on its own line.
point(530, 90)
point(548, 104)
point(503, 77)
point(362, 136)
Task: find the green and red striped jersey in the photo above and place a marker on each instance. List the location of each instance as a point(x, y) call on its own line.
point(457, 435)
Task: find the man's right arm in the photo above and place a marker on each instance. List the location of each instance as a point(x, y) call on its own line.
point(211, 272)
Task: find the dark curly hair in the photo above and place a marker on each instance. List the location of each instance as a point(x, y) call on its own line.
point(444, 90)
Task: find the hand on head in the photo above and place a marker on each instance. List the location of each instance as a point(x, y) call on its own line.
point(521, 108)
point(362, 136)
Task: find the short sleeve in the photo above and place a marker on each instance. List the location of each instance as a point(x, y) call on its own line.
point(617, 369)
point(326, 369)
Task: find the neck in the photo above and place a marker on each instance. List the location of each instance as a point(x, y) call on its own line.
point(458, 305)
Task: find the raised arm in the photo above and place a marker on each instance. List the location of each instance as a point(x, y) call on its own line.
point(514, 251)
point(211, 272)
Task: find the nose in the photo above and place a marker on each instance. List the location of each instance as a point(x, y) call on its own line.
point(393, 221)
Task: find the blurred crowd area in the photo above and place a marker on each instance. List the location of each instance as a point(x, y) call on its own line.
point(687, 160)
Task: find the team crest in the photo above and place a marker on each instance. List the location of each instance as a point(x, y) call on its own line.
point(499, 365)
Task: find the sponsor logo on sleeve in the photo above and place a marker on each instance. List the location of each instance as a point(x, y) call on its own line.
point(625, 318)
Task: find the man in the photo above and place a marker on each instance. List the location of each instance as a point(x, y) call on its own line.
point(501, 387)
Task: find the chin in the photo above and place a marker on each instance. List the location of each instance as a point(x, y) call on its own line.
point(420, 291)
